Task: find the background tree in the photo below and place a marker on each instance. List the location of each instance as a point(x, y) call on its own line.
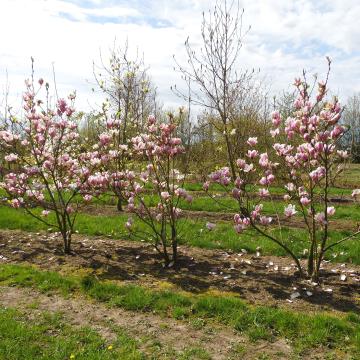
point(216, 82)
point(130, 99)
point(351, 118)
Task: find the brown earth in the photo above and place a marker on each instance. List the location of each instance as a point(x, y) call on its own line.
point(261, 280)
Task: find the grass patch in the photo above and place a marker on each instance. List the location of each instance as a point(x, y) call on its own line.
point(305, 331)
point(48, 336)
point(194, 233)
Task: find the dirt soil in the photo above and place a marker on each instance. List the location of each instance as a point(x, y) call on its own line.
point(261, 280)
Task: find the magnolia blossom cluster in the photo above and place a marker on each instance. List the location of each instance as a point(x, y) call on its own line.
point(304, 161)
point(315, 129)
point(157, 146)
point(248, 170)
point(114, 153)
point(45, 156)
point(158, 142)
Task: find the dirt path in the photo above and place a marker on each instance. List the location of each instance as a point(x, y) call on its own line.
point(220, 343)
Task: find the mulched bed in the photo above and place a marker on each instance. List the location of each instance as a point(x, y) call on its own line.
point(260, 280)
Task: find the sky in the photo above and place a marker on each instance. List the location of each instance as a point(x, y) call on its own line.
point(286, 37)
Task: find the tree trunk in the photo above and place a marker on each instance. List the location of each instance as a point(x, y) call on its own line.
point(119, 203)
point(67, 243)
point(174, 245)
point(310, 264)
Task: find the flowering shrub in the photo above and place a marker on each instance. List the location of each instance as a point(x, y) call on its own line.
point(304, 164)
point(48, 168)
point(114, 152)
point(158, 148)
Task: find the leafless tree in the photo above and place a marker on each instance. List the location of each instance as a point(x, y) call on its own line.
point(217, 84)
point(351, 118)
point(127, 85)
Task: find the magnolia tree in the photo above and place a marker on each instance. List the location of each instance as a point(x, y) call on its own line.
point(48, 169)
point(130, 100)
point(115, 154)
point(304, 164)
point(158, 148)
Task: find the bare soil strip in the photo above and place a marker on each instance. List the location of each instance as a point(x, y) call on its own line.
point(259, 280)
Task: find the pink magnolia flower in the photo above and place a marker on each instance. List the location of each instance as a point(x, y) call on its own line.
point(210, 226)
point(276, 118)
point(45, 213)
point(252, 154)
point(264, 193)
point(320, 218)
point(165, 195)
point(305, 201)
point(264, 160)
point(290, 210)
point(343, 154)
point(336, 132)
point(129, 223)
point(70, 209)
point(239, 228)
point(238, 182)
point(264, 220)
point(151, 120)
point(206, 185)
point(248, 168)
point(274, 132)
point(241, 163)
point(221, 176)
point(355, 193)
point(104, 139)
point(331, 210)
point(87, 198)
point(241, 223)
point(236, 193)
point(61, 106)
point(252, 141)
point(6, 136)
point(317, 174)
point(11, 157)
point(290, 187)
point(15, 203)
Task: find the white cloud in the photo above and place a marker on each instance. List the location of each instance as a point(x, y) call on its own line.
point(286, 36)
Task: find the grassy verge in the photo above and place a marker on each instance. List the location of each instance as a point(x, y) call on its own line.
point(350, 211)
point(48, 336)
point(305, 331)
point(193, 233)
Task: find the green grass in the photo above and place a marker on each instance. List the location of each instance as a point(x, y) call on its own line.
point(305, 331)
point(193, 233)
point(48, 336)
point(350, 177)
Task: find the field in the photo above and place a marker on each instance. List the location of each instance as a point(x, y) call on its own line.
point(229, 297)
point(211, 215)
